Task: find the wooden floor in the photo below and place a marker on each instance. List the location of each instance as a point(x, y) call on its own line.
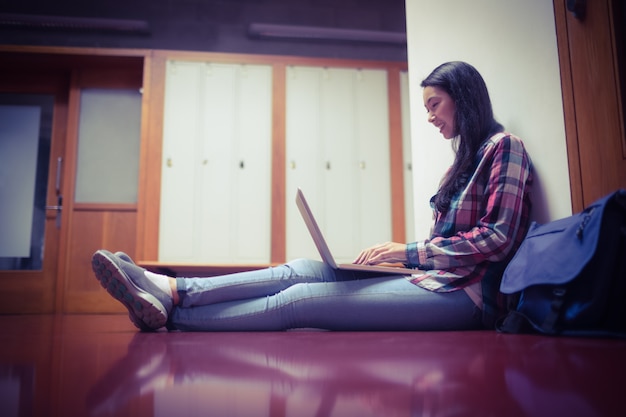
point(99, 365)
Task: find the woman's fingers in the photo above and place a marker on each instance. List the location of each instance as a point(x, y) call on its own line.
point(381, 253)
point(390, 252)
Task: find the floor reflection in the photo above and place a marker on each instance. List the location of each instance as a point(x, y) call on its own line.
point(360, 374)
point(17, 389)
point(560, 376)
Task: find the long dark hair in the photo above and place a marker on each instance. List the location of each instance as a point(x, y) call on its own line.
point(473, 122)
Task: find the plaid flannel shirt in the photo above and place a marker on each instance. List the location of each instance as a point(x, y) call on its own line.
point(474, 240)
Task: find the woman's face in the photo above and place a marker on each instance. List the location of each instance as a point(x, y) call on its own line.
point(441, 110)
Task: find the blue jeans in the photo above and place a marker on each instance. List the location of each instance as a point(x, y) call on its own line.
point(310, 294)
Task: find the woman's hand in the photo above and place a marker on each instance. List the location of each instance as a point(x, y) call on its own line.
point(390, 252)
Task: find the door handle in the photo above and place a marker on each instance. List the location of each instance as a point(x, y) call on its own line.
point(57, 186)
point(57, 181)
point(58, 208)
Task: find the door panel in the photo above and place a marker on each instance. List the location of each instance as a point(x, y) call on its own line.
point(94, 228)
point(28, 282)
point(593, 106)
point(25, 129)
point(103, 145)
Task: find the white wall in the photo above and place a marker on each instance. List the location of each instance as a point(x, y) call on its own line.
point(512, 43)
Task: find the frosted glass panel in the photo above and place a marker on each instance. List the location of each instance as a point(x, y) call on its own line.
point(19, 134)
point(108, 146)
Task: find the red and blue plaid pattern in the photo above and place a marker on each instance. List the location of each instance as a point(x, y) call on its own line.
point(484, 226)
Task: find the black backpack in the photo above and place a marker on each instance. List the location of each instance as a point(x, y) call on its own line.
point(569, 276)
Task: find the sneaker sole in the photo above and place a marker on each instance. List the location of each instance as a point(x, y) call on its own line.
point(144, 310)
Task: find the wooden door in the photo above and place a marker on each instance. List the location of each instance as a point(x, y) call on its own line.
point(99, 214)
point(591, 53)
point(73, 230)
point(26, 286)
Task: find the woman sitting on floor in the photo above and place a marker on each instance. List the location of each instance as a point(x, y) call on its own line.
point(481, 213)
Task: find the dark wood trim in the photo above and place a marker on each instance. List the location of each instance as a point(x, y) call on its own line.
point(279, 203)
point(150, 158)
point(144, 161)
point(68, 186)
point(569, 108)
point(78, 51)
point(104, 207)
point(229, 58)
point(619, 63)
point(398, 226)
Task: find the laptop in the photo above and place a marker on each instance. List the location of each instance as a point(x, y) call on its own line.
point(324, 250)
